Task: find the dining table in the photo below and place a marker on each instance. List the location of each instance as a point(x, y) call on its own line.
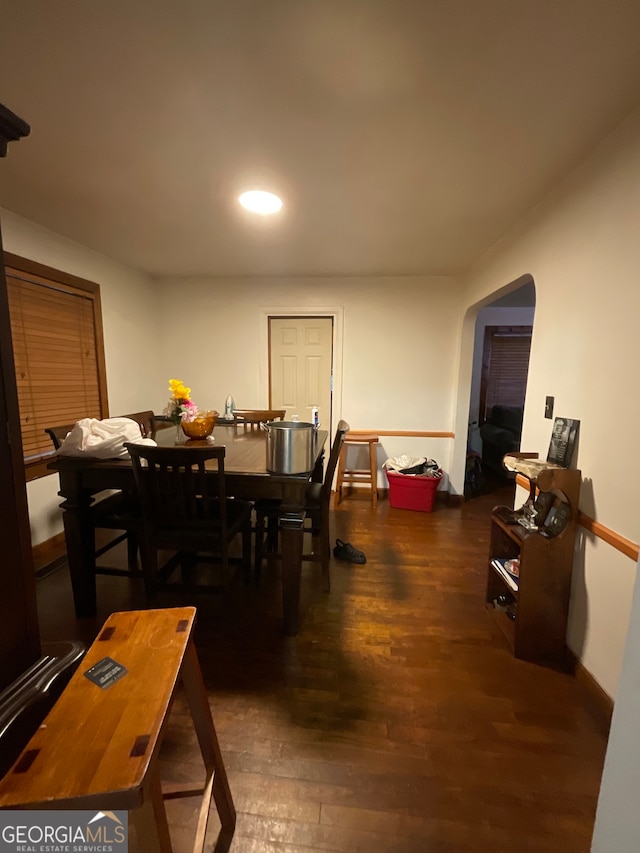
point(247, 476)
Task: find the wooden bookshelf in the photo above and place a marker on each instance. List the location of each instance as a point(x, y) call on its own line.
point(533, 617)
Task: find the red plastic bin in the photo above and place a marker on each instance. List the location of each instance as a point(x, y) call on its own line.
point(408, 491)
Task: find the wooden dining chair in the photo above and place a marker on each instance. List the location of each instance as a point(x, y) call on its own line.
point(146, 421)
point(118, 511)
point(182, 494)
point(317, 505)
point(252, 418)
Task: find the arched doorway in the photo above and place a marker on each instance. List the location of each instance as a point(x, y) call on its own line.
point(502, 342)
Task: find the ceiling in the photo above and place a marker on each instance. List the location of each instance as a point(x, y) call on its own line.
point(405, 136)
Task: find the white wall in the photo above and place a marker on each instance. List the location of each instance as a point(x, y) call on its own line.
point(130, 324)
point(617, 826)
point(582, 250)
point(397, 366)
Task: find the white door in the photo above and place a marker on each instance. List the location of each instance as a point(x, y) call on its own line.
point(300, 366)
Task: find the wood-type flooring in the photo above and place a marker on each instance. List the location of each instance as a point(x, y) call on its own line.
point(397, 720)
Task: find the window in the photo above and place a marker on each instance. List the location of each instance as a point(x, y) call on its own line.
point(56, 328)
point(505, 367)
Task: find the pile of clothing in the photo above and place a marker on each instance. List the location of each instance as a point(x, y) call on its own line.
point(102, 439)
point(416, 465)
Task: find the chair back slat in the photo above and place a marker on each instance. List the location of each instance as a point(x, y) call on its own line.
point(336, 447)
point(252, 418)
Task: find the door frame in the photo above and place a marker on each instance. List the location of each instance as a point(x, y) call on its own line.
point(337, 345)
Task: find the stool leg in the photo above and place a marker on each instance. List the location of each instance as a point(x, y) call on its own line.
point(207, 737)
point(150, 820)
point(374, 474)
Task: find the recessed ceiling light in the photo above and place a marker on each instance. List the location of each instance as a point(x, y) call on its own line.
point(258, 201)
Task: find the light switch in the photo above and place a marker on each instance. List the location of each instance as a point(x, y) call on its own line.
point(548, 407)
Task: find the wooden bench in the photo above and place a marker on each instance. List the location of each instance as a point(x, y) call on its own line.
point(98, 747)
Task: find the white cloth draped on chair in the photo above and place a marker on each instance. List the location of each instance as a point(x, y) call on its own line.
point(103, 439)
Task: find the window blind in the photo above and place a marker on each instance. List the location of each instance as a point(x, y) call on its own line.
point(508, 370)
point(57, 347)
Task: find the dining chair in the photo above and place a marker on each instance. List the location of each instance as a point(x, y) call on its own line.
point(252, 418)
point(146, 420)
point(317, 506)
point(185, 509)
point(117, 511)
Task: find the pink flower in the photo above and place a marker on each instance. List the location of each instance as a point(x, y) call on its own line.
point(189, 411)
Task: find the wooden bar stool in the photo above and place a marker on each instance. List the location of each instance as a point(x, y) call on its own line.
point(368, 475)
point(98, 747)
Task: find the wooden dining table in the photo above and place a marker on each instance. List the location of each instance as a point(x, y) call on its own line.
point(82, 478)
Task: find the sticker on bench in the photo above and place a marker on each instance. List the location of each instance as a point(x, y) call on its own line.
point(106, 672)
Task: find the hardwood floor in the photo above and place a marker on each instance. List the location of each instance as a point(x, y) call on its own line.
point(396, 721)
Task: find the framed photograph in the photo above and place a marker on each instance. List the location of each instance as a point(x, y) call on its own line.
point(557, 518)
point(564, 437)
point(541, 507)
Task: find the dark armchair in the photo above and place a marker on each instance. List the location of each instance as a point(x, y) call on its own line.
point(500, 434)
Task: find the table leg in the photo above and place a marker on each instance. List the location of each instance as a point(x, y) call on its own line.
point(291, 531)
point(80, 541)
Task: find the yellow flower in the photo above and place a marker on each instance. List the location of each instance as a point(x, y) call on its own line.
point(179, 389)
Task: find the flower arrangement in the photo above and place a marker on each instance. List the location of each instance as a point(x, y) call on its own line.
point(180, 407)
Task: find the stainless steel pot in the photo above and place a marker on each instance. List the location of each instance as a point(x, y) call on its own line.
point(291, 447)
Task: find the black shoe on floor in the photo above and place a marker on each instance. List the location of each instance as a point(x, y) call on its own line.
point(346, 551)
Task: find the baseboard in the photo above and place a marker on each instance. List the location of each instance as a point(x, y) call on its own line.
point(442, 496)
point(599, 703)
point(49, 555)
